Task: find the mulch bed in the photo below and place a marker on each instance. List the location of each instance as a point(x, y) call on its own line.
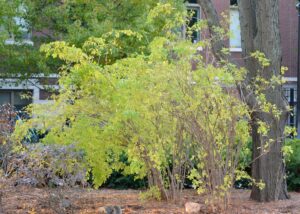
point(26, 199)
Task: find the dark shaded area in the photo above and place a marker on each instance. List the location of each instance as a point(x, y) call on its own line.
point(119, 181)
point(233, 2)
point(293, 165)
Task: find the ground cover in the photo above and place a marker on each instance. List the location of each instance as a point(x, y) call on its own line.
point(26, 199)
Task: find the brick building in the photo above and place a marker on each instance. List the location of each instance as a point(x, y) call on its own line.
point(289, 39)
point(11, 89)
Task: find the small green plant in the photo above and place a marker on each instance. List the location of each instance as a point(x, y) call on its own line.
point(292, 158)
point(153, 193)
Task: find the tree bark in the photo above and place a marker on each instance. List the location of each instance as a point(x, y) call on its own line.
point(213, 21)
point(260, 31)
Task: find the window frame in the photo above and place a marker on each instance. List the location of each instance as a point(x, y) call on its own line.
point(289, 92)
point(24, 29)
point(12, 95)
point(193, 6)
point(233, 48)
point(235, 4)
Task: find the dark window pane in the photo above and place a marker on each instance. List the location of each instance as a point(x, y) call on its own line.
point(233, 2)
point(18, 98)
point(5, 97)
point(22, 99)
point(291, 95)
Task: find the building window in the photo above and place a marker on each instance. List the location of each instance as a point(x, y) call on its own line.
point(233, 2)
point(17, 98)
point(23, 29)
point(290, 93)
point(19, 31)
point(235, 30)
point(194, 9)
point(23, 36)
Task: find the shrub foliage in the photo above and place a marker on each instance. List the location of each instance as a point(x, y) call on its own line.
point(169, 119)
point(172, 111)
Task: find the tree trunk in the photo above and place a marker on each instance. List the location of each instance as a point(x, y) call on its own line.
point(213, 21)
point(269, 167)
point(158, 182)
point(260, 31)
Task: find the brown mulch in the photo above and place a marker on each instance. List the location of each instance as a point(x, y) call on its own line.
point(25, 199)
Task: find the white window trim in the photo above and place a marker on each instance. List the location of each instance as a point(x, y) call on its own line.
point(290, 79)
point(234, 7)
point(11, 41)
point(235, 50)
point(192, 5)
point(34, 76)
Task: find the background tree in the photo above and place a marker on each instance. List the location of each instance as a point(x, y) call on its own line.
point(260, 32)
point(74, 22)
point(16, 56)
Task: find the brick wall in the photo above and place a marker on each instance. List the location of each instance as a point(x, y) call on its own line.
point(288, 29)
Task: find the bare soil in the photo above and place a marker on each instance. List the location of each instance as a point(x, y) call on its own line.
point(25, 199)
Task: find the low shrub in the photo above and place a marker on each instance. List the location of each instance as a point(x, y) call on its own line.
point(292, 150)
point(36, 163)
point(8, 117)
point(47, 165)
point(153, 193)
point(244, 181)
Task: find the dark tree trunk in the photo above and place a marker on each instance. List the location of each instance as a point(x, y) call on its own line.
point(212, 18)
point(158, 182)
point(260, 31)
point(268, 167)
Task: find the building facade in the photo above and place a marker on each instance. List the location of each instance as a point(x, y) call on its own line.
point(288, 18)
point(11, 89)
